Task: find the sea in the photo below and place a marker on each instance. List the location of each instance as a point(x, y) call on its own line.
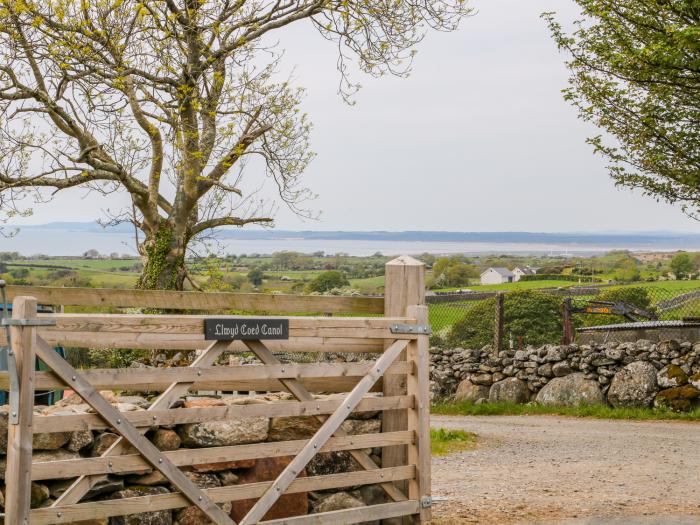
point(69, 242)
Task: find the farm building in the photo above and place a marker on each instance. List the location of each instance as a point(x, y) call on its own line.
point(497, 275)
point(519, 271)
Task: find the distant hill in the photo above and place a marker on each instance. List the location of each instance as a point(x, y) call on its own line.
point(611, 239)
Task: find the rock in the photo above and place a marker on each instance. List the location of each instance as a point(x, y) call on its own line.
point(224, 433)
point(105, 486)
point(482, 379)
point(102, 442)
point(468, 391)
point(561, 369)
point(139, 401)
point(57, 488)
point(572, 390)
point(331, 463)
point(227, 478)
point(291, 428)
point(39, 494)
point(148, 480)
point(79, 440)
point(337, 501)
point(545, 370)
point(362, 426)
point(267, 469)
point(633, 386)
point(161, 517)
point(75, 399)
point(50, 440)
point(671, 376)
point(679, 399)
point(668, 347)
point(166, 439)
point(694, 380)
point(193, 516)
point(203, 480)
point(509, 390)
point(4, 416)
point(203, 402)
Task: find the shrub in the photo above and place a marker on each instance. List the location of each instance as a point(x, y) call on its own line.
point(533, 316)
point(633, 295)
point(326, 281)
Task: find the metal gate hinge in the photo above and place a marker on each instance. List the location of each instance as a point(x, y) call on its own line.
point(426, 502)
point(419, 329)
point(28, 322)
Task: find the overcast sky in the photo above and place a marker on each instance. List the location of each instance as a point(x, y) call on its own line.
point(477, 139)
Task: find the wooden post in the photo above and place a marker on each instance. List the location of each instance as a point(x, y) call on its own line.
point(19, 436)
point(404, 286)
point(419, 417)
point(498, 325)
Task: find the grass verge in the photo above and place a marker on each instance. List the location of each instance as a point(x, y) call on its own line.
point(444, 441)
point(593, 411)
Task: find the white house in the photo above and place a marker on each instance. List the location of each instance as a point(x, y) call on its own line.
point(523, 270)
point(497, 275)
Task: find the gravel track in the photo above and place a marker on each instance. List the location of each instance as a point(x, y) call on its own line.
point(548, 469)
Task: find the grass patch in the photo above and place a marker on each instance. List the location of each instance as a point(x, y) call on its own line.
point(593, 411)
point(444, 441)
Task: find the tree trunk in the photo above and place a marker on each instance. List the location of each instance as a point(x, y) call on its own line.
point(164, 260)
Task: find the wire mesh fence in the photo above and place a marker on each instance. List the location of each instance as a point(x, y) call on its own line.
point(540, 316)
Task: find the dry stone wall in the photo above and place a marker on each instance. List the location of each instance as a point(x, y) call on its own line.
point(633, 374)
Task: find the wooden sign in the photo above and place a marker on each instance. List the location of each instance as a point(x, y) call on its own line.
point(245, 329)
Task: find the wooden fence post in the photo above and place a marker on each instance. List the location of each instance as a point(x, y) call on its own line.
point(498, 324)
point(404, 286)
point(419, 417)
point(19, 435)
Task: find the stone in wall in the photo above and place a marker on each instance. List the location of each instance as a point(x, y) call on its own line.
point(633, 386)
point(510, 390)
point(570, 391)
point(468, 391)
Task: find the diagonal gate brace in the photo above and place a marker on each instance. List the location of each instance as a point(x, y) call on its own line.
point(131, 434)
point(329, 427)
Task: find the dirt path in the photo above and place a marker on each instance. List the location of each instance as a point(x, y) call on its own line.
point(532, 469)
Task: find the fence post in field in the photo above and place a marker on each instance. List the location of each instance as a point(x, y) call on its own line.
point(404, 286)
point(19, 435)
point(498, 324)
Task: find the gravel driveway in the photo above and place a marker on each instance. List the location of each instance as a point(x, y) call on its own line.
point(547, 469)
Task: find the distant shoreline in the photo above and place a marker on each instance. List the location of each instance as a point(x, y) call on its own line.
point(66, 239)
point(515, 237)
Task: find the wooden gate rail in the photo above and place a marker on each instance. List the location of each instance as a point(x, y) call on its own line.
point(401, 345)
point(182, 332)
point(248, 302)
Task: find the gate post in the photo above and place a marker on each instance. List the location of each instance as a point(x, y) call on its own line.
point(404, 286)
point(419, 417)
point(19, 434)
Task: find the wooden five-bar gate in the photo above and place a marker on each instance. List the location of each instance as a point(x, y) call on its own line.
point(399, 341)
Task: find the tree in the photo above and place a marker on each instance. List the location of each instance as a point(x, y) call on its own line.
point(327, 281)
point(634, 73)
point(682, 264)
point(173, 101)
point(256, 276)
